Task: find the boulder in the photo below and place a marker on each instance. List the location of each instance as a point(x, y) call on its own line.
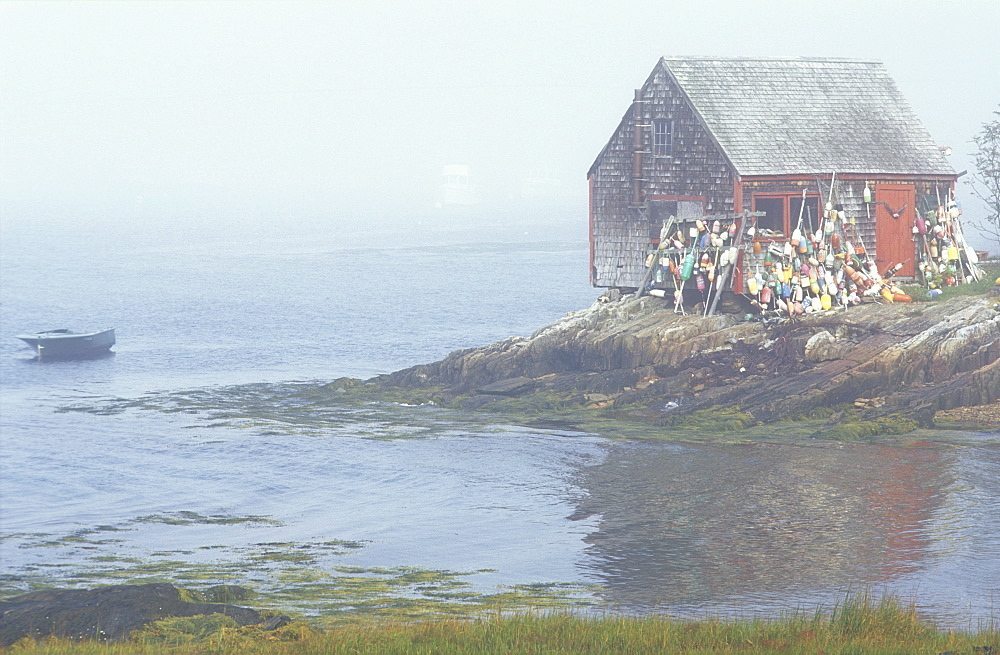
point(106, 613)
point(825, 347)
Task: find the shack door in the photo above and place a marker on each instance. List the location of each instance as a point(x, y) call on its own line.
point(894, 207)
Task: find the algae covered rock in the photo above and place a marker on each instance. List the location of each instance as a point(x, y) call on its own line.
point(638, 351)
point(105, 613)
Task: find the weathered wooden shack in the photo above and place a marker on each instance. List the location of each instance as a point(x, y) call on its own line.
point(712, 136)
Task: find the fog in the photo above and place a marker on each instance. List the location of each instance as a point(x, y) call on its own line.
point(152, 114)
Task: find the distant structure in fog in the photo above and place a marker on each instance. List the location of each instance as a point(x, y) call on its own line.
point(456, 188)
point(544, 184)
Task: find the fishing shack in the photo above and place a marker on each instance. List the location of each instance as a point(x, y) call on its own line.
point(744, 174)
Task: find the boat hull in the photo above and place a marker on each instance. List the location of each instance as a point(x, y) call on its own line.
point(63, 343)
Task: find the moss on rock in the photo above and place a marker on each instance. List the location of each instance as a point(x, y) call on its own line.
point(866, 430)
point(714, 419)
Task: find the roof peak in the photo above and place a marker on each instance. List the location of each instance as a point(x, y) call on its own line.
point(776, 59)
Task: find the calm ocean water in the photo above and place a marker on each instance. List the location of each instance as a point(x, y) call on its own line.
point(139, 457)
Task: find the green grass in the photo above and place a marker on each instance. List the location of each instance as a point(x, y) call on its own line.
point(991, 273)
point(859, 625)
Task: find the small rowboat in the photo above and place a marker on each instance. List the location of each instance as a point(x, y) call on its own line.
point(63, 343)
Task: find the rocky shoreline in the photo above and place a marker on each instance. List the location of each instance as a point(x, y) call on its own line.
point(873, 369)
point(113, 613)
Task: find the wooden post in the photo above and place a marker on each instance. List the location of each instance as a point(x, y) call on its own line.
point(649, 271)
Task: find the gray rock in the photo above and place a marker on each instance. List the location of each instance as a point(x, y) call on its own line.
point(106, 613)
point(821, 347)
point(508, 387)
point(275, 622)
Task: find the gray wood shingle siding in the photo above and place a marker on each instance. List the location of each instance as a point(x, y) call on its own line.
point(694, 169)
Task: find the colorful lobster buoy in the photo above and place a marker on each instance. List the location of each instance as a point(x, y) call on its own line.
point(688, 266)
point(892, 270)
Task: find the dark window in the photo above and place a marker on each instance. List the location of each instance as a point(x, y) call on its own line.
point(773, 224)
point(809, 215)
point(659, 212)
point(662, 137)
point(783, 214)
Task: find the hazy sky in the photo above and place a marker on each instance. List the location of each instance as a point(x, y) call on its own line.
point(148, 111)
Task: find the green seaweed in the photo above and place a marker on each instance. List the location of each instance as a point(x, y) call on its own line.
point(867, 430)
point(373, 410)
point(714, 419)
point(194, 518)
point(300, 578)
point(542, 403)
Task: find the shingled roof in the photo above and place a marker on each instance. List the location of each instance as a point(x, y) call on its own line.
point(776, 116)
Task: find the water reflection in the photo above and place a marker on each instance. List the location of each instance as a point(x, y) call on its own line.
point(69, 357)
point(689, 525)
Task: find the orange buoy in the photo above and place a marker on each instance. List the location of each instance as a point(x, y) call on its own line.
point(901, 297)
